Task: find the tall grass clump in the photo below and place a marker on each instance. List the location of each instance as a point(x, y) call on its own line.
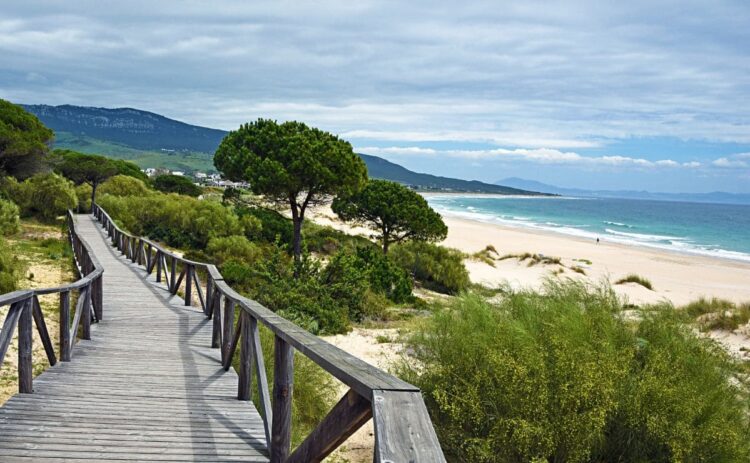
point(637, 279)
point(561, 376)
point(718, 314)
point(436, 267)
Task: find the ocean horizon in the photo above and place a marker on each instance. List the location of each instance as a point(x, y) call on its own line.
point(707, 229)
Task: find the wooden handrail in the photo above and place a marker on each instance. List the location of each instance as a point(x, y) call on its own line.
point(403, 430)
point(25, 310)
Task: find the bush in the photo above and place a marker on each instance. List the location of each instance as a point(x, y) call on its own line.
point(327, 240)
point(123, 185)
point(237, 248)
point(11, 269)
point(437, 267)
point(718, 314)
point(273, 225)
point(560, 376)
point(45, 196)
point(177, 220)
point(83, 193)
point(177, 184)
point(9, 218)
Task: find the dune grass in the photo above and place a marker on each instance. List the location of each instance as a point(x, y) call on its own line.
point(718, 314)
point(637, 279)
point(561, 375)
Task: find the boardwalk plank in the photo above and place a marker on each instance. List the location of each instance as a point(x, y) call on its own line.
point(146, 387)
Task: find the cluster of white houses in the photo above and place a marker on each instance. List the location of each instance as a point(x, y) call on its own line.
point(200, 178)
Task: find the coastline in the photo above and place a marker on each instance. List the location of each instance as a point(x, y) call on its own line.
point(678, 277)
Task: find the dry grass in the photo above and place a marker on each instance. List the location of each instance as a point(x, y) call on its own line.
point(637, 279)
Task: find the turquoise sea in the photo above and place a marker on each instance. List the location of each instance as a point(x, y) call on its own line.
point(719, 230)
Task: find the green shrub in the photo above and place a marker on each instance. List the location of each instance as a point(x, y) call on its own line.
point(327, 240)
point(226, 248)
point(9, 218)
point(46, 196)
point(83, 194)
point(123, 185)
point(11, 269)
point(273, 225)
point(718, 314)
point(560, 376)
point(178, 220)
point(177, 184)
point(437, 267)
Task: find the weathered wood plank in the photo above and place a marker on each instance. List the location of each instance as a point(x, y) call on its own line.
point(403, 430)
point(345, 418)
point(283, 388)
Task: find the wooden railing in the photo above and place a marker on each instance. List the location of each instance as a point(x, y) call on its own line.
point(25, 307)
point(403, 430)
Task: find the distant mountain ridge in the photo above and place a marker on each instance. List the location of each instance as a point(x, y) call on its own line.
point(152, 140)
point(713, 197)
point(131, 127)
point(382, 168)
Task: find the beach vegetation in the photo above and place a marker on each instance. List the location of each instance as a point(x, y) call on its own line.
point(24, 142)
point(578, 269)
point(436, 267)
point(486, 255)
point(177, 220)
point(45, 196)
point(560, 375)
point(397, 213)
point(637, 279)
point(177, 184)
point(718, 314)
point(10, 222)
point(124, 185)
point(291, 165)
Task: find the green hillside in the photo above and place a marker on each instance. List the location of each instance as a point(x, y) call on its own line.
point(173, 160)
point(152, 140)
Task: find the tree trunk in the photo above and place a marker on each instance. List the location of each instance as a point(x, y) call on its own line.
point(386, 240)
point(93, 194)
point(297, 218)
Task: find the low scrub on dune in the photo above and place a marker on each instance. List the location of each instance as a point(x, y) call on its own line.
point(637, 279)
point(436, 267)
point(718, 314)
point(563, 376)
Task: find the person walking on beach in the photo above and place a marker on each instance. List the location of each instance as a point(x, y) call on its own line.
point(597, 240)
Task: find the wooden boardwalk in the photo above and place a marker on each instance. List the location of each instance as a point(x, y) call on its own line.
point(146, 387)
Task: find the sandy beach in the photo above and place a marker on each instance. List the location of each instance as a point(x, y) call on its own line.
point(676, 277)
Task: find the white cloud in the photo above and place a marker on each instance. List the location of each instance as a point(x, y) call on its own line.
point(538, 155)
point(730, 163)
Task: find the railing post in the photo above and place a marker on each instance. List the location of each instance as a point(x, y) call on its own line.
point(158, 266)
point(25, 366)
point(189, 269)
point(245, 384)
point(86, 314)
point(99, 297)
point(216, 333)
point(65, 326)
point(172, 276)
point(229, 327)
point(281, 427)
point(208, 309)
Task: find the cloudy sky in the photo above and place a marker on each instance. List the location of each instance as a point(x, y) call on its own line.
point(598, 94)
